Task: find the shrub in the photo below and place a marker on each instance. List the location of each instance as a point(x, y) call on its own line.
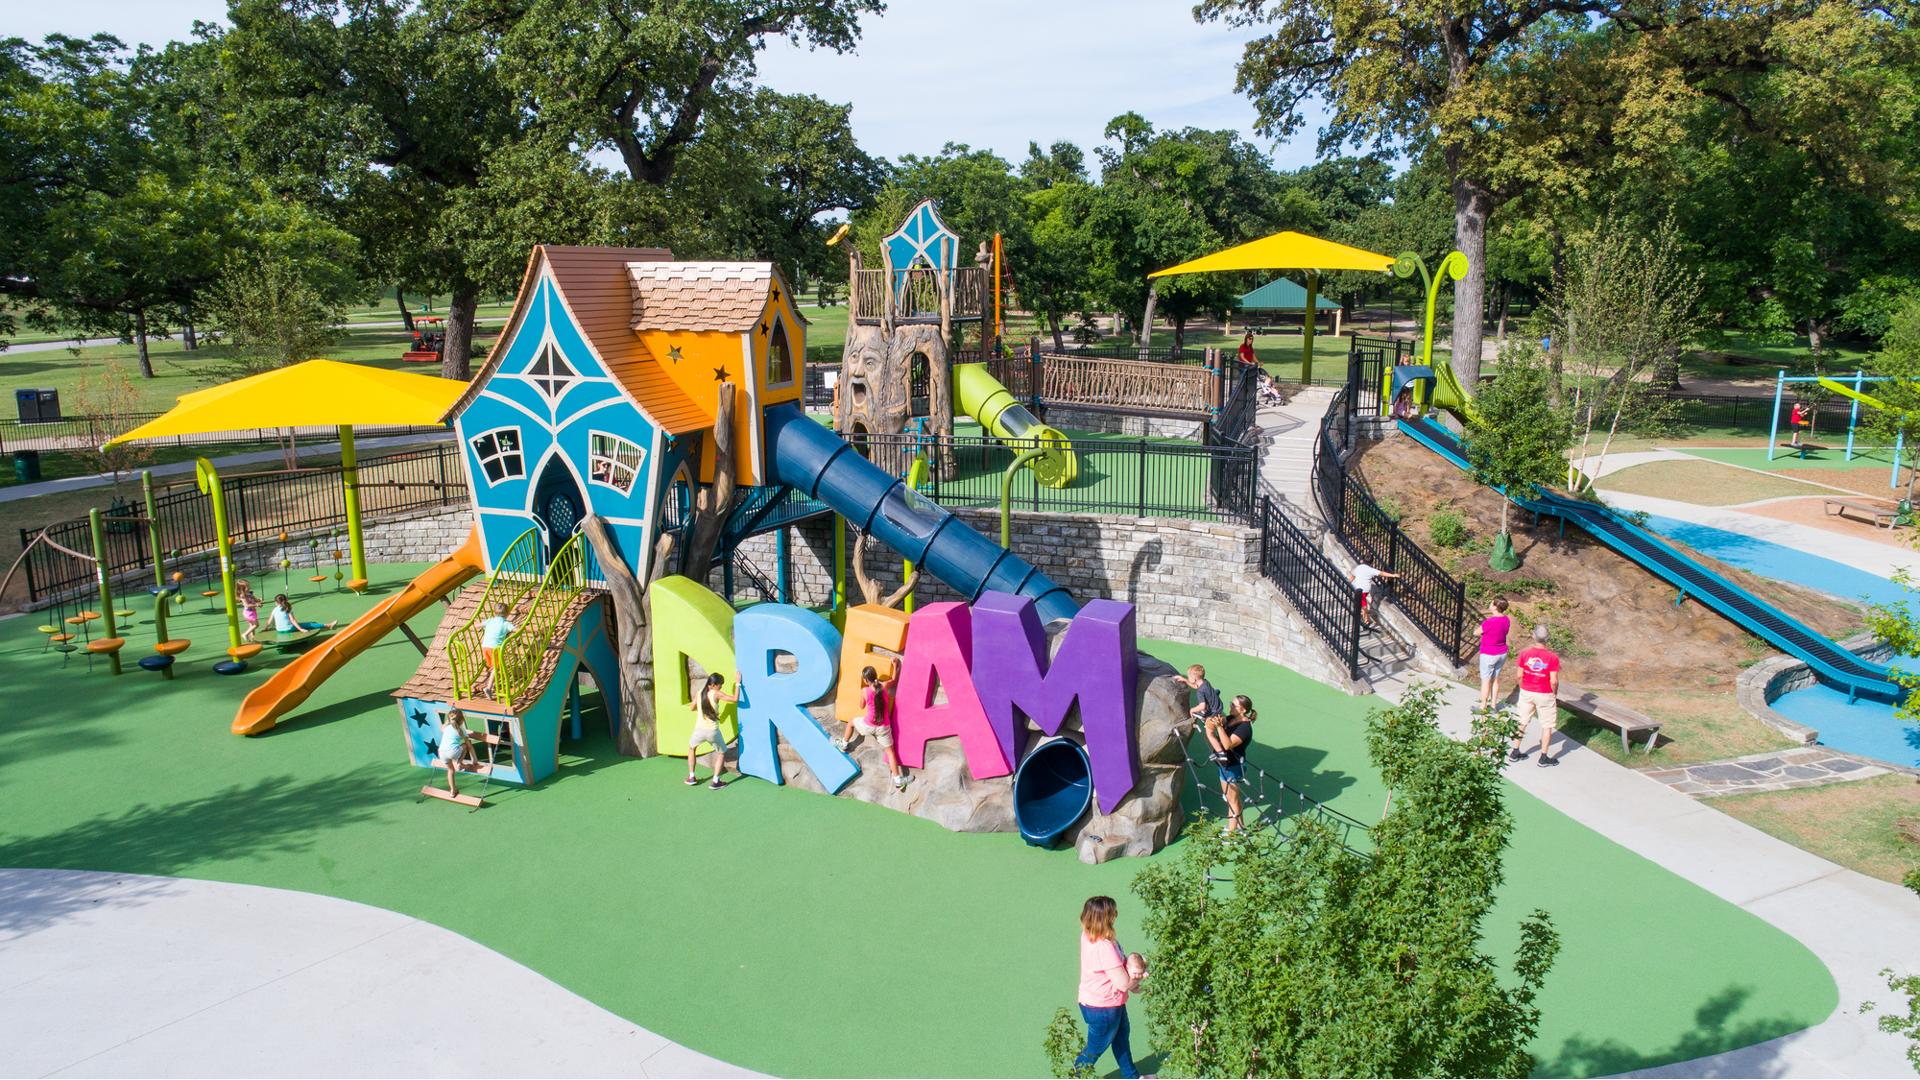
point(1448, 527)
point(1063, 1045)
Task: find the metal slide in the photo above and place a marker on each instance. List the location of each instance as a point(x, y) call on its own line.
point(813, 460)
point(1832, 664)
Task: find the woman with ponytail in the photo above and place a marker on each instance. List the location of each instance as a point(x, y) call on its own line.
point(1229, 736)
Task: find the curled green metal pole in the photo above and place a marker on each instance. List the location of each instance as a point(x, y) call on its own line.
point(106, 589)
point(153, 529)
point(208, 478)
point(1006, 494)
point(1454, 267)
point(916, 475)
point(350, 481)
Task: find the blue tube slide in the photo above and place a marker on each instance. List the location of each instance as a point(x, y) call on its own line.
point(1052, 790)
point(808, 457)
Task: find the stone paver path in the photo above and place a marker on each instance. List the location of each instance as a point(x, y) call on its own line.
point(1803, 767)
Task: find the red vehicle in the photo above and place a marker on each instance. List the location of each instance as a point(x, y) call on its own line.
point(429, 337)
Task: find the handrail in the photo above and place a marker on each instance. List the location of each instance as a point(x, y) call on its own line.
point(515, 574)
point(523, 649)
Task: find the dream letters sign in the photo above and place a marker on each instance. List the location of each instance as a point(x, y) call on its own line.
point(989, 660)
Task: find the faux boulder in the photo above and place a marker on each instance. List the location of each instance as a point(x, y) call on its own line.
point(944, 791)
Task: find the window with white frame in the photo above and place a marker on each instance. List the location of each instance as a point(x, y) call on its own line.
point(499, 454)
point(779, 355)
point(550, 373)
point(613, 461)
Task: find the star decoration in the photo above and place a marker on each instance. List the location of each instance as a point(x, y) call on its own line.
point(776, 294)
point(764, 327)
point(720, 374)
point(673, 353)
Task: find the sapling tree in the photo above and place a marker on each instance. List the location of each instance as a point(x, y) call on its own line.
point(271, 315)
point(1898, 394)
point(111, 405)
point(1624, 303)
point(1517, 436)
point(1292, 955)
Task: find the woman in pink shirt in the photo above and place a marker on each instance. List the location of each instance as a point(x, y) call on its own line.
point(1107, 975)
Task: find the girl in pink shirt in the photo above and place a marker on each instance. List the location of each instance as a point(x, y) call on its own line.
point(1107, 975)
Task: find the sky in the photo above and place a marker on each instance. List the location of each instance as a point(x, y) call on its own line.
point(987, 73)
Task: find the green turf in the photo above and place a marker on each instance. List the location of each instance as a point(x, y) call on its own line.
point(781, 930)
point(1876, 458)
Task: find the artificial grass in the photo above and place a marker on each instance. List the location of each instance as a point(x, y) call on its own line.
point(1877, 458)
point(781, 930)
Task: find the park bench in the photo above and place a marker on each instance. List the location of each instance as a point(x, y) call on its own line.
point(1590, 706)
point(1884, 516)
point(1801, 450)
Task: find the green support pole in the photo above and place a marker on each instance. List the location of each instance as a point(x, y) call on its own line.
point(350, 480)
point(916, 475)
point(209, 481)
point(1006, 496)
point(100, 574)
point(1306, 331)
point(1453, 266)
point(839, 571)
point(153, 528)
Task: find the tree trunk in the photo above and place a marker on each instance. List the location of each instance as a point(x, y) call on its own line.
point(189, 337)
point(1472, 203)
point(406, 315)
point(1059, 343)
point(1146, 325)
point(716, 502)
point(1179, 332)
point(1500, 333)
point(1816, 336)
point(140, 342)
point(457, 351)
point(633, 637)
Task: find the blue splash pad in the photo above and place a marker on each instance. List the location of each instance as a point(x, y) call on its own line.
point(1867, 728)
point(1778, 561)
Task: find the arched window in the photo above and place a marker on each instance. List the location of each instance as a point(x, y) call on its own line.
point(498, 454)
point(613, 461)
point(779, 355)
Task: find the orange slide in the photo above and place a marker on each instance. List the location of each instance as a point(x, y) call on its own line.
point(290, 685)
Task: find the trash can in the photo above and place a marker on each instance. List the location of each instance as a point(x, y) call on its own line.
point(26, 465)
point(37, 406)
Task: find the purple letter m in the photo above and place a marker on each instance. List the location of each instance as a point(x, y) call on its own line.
point(1097, 663)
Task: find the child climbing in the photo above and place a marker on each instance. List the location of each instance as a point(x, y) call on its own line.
point(492, 633)
point(876, 721)
point(706, 729)
point(1229, 737)
point(454, 747)
point(1206, 698)
point(1363, 578)
point(249, 608)
point(285, 623)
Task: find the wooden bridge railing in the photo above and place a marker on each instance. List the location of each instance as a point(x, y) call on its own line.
point(1163, 389)
point(915, 294)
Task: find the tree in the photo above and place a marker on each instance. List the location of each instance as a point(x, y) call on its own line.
point(1290, 955)
point(1623, 307)
point(1517, 436)
point(1898, 364)
point(638, 76)
point(1549, 97)
point(271, 314)
point(1053, 276)
point(112, 405)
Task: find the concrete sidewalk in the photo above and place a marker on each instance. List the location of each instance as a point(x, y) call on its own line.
point(1855, 924)
point(124, 975)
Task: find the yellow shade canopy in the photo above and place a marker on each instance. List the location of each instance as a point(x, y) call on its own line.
point(1283, 251)
point(317, 393)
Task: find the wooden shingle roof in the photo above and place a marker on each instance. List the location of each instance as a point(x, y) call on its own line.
point(720, 296)
point(593, 284)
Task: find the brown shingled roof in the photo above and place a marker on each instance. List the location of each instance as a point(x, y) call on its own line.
point(722, 296)
point(594, 285)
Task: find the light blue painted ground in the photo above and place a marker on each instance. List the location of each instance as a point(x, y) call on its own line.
point(1777, 561)
point(1863, 727)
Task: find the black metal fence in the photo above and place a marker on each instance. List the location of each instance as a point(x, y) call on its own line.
point(1431, 598)
point(1317, 589)
point(260, 507)
point(78, 433)
point(1142, 477)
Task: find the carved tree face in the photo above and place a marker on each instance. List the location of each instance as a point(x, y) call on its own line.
point(873, 393)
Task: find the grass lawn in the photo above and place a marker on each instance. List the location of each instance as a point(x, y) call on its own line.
point(1696, 725)
point(744, 922)
point(1705, 483)
point(177, 371)
point(1856, 824)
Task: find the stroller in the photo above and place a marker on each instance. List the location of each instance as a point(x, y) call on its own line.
point(1270, 391)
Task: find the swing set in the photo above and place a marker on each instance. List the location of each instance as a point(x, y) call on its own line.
point(1852, 389)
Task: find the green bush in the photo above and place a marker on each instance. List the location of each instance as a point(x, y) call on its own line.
point(1064, 1043)
point(1448, 527)
point(1391, 507)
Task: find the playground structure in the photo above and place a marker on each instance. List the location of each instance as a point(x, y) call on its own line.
point(639, 418)
point(904, 357)
point(1852, 389)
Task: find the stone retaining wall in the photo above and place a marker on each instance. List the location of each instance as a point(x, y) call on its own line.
point(1194, 582)
point(1760, 685)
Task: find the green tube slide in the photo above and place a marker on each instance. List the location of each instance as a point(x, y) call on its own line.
point(983, 397)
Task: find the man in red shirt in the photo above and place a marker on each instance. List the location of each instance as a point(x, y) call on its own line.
point(1539, 669)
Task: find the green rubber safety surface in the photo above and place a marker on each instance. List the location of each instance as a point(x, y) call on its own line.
point(784, 931)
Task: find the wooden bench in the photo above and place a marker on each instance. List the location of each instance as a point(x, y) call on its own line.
point(1800, 450)
point(1884, 516)
point(1590, 706)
